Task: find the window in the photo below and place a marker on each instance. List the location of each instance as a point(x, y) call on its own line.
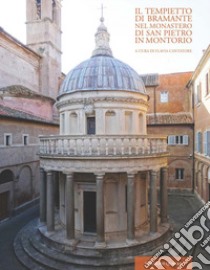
point(164, 96)
point(206, 143)
point(91, 125)
point(25, 139)
point(198, 142)
point(180, 174)
point(178, 139)
point(207, 84)
point(7, 139)
point(198, 93)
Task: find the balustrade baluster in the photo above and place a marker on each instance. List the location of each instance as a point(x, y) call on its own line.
point(122, 146)
point(75, 146)
point(114, 147)
point(56, 146)
point(106, 146)
point(82, 147)
point(129, 146)
point(90, 145)
point(142, 144)
point(98, 147)
point(67, 147)
point(137, 146)
point(62, 146)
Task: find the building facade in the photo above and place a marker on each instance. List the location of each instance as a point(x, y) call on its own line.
point(29, 82)
point(200, 87)
point(170, 113)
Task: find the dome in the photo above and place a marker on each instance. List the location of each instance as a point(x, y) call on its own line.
point(102, 71)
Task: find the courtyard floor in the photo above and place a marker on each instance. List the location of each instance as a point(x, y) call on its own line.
point(181, 208)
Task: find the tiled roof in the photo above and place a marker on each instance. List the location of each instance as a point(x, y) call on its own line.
point(169, 118)
point(21, 91)
point(7, 112)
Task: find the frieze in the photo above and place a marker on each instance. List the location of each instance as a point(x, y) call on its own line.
point(108, 167)
point(141, 101)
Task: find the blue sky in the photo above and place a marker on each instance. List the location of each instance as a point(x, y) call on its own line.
point(80, 20)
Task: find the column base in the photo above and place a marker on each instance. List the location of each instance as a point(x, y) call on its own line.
point(131, 242)
point(100, 245)
point(164, 220)
point(71, 242)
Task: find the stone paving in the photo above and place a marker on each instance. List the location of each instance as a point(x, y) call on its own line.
point(181, 208)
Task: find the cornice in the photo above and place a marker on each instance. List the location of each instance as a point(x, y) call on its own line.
point(92, 100)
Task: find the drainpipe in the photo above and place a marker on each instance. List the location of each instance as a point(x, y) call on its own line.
point(193, 157)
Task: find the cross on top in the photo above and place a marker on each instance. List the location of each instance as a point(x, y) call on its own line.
point(102, 13)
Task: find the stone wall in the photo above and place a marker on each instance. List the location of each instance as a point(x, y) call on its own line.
point(18, 63)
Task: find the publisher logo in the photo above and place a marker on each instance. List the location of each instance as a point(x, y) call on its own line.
point(179, 249)
point(185, 263)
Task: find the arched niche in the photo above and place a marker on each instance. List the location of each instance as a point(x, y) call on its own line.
point(110, 122)
point(73, 123)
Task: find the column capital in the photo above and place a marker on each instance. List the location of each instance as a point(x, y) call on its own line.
point(99, 176)
point(49, 172)
point(68, 172)
point(69, 176)
point(131, 174)
point(153, 173)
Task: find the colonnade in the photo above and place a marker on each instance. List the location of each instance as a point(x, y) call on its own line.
point(47, 203)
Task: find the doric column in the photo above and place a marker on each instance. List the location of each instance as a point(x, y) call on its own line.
point(100, 210)
point(153, 201)
point(130, 207)
point(50, 202)
point(164, 195)
point(43, 196)
point(69, 210)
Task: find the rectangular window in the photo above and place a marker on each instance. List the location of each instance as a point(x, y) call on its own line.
point(180, 174)
point(207, 83)
point(206, 143)
point(7, 139)
point(178, 140)
point(91, 125)
point(25, 139)
point(198, 94)
point(198, 142)
point(164, 96)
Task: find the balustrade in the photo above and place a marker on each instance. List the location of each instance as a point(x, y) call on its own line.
point(110, 145)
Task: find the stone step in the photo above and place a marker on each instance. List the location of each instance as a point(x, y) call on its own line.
point(34, 254)
point(38, 250)
point(23, 257)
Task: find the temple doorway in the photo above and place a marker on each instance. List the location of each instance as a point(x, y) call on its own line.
point(89, 214)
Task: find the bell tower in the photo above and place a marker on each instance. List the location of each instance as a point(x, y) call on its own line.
point(43, 32)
